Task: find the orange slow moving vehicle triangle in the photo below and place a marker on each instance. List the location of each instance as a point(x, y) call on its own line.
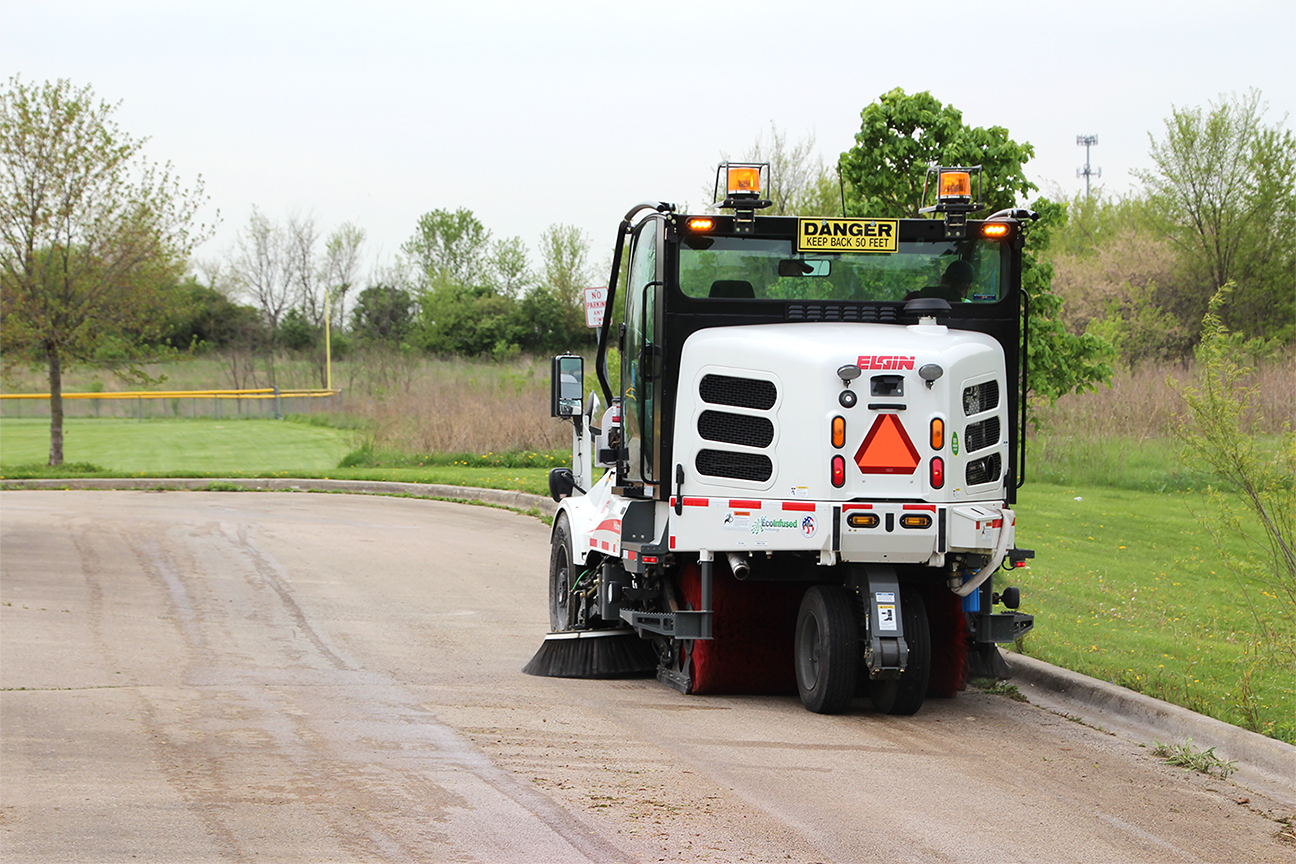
point(887, 448)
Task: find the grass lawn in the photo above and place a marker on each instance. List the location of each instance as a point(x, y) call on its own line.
point(177, 447)
point(1129, 588)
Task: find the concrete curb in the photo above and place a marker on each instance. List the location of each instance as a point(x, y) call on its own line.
point(1263, 761)
point(501, 497)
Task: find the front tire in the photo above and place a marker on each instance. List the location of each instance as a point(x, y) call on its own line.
point(827, 650)
point(904, 695)
point(561, 573)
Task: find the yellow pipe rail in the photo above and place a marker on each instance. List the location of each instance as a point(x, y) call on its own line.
point(260, 393)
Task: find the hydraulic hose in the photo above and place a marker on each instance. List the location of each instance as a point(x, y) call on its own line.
point(996, 557)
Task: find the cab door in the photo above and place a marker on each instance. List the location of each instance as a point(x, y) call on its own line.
point(640, 355)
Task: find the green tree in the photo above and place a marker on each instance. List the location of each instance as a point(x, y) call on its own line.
point(383, 314)
point(900, 135)
point(449, 248)
point(564, 250)
point(93, 238)
point(1224, 189)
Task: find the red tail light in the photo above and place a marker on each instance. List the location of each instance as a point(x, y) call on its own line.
point(838, 471)
point(937, 472)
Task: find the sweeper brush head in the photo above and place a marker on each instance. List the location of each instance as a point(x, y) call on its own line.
point(592, 654)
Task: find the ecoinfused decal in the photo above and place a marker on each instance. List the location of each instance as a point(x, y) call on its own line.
point(766, 523)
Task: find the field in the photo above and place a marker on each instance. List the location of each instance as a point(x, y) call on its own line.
point(1128, 585)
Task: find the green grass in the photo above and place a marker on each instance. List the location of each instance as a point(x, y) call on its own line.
point(247, 448)
point(1128, 587)
point(177, 447)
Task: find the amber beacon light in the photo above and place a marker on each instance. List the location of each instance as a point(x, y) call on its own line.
point(744, 179)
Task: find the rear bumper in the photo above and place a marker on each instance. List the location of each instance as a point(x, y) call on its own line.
point(882, 531)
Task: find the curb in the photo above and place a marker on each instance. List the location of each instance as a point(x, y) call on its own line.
point(1144, 719)
point(1262, 760)
point(500, 497)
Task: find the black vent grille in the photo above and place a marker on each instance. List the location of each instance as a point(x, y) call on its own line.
point(981, 397)
point(984, 470)
point(751, 393)
point(979, 436)
point(736, 466)
point(742, 429)
point(867, 314)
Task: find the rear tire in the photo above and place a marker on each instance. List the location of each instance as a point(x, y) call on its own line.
point(561, 573)
point(904, 695)
point(827, 650)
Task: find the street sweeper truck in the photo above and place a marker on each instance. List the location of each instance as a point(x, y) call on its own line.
point(802, 479)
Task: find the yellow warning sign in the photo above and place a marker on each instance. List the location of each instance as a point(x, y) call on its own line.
point(848, 235)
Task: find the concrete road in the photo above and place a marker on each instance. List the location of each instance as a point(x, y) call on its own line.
point(291, 677)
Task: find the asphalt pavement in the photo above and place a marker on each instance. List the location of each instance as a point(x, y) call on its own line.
point(1262, 763)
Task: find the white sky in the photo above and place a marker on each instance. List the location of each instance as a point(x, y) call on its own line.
point(535, 113)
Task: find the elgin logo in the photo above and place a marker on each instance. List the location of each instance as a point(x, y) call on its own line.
point(881, 361)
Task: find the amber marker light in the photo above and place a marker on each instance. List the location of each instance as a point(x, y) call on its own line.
point(701, 224)
point(838, 471)
point(746, 180)
point(955, 184)
point(915, 520)
point(862, 520)
point(839, 432)
point(994, 230)
point(937, 433)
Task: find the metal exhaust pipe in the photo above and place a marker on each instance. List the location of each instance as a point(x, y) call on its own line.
point(739, 565)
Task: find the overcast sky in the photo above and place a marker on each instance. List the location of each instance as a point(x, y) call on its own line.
point(570, 112)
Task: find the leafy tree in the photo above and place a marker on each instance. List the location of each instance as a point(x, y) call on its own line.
point(383, 314)
point(207, 318)
point(473, 322)
point(93, 238)
point(298, 333)
point(449, 248)
point(1224, 189)
point(339, 267)
point(565, 253)
point(900, 135)
point(1119, 278)
point(510, 271)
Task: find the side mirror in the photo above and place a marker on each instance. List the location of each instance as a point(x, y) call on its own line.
point(566, 385)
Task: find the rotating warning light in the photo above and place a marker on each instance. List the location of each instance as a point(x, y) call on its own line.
point(887, 448)
point(745, 180)
point(955, 185)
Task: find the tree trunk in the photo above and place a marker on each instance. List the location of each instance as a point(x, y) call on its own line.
point(56, 406)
